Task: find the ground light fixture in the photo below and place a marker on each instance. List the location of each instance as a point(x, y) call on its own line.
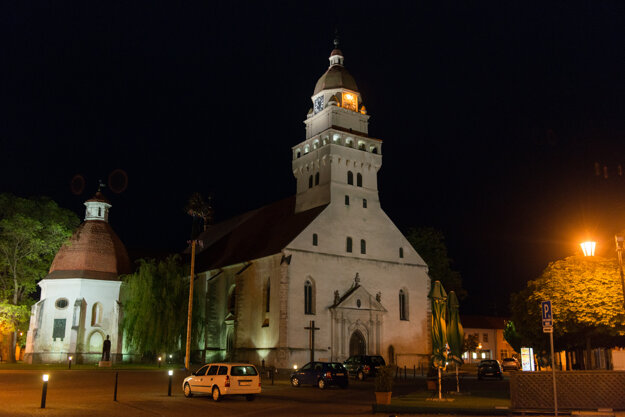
point(170, 373)
point(159, 361)
point(588, 248)
point(69, 360)
point(44, 390)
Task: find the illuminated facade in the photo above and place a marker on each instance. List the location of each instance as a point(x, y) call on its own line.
point(329, 254)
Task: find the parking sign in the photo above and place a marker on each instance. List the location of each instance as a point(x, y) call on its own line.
point(547, 314)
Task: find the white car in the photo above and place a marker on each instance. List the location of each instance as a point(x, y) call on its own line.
point(219, 379)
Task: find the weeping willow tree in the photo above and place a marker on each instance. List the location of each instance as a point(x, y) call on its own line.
point(155, 306)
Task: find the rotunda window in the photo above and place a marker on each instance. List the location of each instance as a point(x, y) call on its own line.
point(61, 303)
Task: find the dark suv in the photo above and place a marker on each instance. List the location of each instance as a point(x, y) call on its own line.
point(363, 366)
point(489, 367)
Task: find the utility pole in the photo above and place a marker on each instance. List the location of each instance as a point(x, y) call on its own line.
point(187, 358)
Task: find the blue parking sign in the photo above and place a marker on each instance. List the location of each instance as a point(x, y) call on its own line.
point(547, 314)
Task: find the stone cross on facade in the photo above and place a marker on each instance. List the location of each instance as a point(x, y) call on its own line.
point(311, 328)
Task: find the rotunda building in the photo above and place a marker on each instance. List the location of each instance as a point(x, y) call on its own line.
point(80, 297)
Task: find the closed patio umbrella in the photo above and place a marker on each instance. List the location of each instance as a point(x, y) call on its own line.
point(455, 333)
point(438, 296)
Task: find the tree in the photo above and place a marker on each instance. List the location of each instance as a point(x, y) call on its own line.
point(587, 305)
point(471, 342)
point(155, 300)
point(430, 244)
point(512, 336)
point(31, 232)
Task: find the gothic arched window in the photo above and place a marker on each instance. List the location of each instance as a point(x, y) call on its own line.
point(315, 239)
point(359, 180)
point(348, 245)
point(232, 300)
point(401, 252)
point(347, 200)
point(364, 203)
point(96, 314)
point(363, 246)
point(310, 182)
point(268, 296)
point(317, 178)
point(309, 297)
point(350, 178)
point(403, 305)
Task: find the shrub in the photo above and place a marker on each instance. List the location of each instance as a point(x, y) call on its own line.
point(384, 378)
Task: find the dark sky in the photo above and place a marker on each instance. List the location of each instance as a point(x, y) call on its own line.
point(492, 114)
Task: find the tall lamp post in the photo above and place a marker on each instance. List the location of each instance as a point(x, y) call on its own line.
point(619, 251)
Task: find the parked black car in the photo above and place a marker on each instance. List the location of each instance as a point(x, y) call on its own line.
point(363, 366)
point(321, 374)
point(489, 367)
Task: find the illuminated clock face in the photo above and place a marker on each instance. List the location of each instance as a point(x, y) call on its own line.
point(318, 104)
point(350, 101)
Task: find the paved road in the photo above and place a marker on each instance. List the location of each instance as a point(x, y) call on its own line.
point(144, 393)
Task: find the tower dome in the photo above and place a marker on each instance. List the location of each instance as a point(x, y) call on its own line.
point(94, 250)
point(336, 76)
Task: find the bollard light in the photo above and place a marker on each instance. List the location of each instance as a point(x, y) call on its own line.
point(70, 363)
point(159, 361)
point(170, 373)
point(44, 391)
point(588, 248)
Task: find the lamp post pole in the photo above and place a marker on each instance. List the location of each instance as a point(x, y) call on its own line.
point(619, 251)
point(190, 310)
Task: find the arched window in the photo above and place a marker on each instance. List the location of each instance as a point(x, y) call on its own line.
point(364, 203)
point(298, 153)
point(96, 314)
point(268, 296)
point(349, 245)
point(401, 252)
point(363, 246)
point(317, 178)
point(310, 182)
point(403, 305)
point(359, 180)
point(232, 300)
point(350, 177)
point(374, 149)
point(315, 239)
point(309, 297)
point(347, 200)
point(99, 211)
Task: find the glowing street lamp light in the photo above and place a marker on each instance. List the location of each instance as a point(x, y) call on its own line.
point(588, 248)
point(159, 361)
point(170, 373)
point(619, 239)
point(70, 362)
point(44, 390)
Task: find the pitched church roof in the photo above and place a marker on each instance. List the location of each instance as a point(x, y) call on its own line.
point(252, 235)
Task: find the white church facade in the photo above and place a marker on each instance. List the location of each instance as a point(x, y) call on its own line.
point(328, 255)
point(80, 297)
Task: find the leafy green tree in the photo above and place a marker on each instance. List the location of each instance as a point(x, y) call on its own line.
point(587, 305)
point(470, 344)
point(31, 232)
point(155, 301)
point(430, 244)
point(512, 336)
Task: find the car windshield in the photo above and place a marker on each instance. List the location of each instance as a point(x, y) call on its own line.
point(336, 367)
point(243, 371)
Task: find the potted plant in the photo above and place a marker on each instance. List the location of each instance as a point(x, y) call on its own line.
point(384, 380)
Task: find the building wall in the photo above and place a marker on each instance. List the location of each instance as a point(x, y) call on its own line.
point(494, 345)
point(86, 327)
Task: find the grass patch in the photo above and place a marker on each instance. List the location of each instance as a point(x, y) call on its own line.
point(474, 400)
point(4, 366)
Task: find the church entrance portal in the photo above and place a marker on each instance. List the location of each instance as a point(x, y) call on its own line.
point(357, 344)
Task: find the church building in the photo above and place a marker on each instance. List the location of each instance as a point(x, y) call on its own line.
point(80, 305)
point(324, 273)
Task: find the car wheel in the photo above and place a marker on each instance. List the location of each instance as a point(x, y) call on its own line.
point(250, 397)
point(187, 391)
point(360, 376)
point(216, 394)
point(321, 383)
point(295, 382)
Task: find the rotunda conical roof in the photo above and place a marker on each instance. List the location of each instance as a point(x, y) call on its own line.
point(94, 250)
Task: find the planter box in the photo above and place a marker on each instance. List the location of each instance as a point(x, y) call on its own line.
point(383, 397)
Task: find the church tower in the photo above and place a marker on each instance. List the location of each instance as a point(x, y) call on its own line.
point(337, 153)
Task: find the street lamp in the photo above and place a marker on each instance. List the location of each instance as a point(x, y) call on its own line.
point(619, 239)
point(588, 248)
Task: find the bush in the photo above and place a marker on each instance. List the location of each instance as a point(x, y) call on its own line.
point(384, 378)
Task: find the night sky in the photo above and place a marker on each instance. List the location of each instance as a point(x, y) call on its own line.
point(493, 115)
